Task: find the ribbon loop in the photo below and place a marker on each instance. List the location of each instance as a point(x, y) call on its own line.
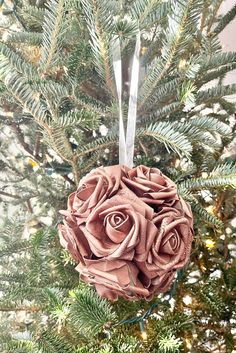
point(126, 144)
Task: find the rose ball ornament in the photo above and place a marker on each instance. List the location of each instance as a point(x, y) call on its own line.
point(128, 230)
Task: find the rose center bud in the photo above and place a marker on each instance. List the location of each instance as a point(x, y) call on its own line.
point(170, 243)
point(117, 226)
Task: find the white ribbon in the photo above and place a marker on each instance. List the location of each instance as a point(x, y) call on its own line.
point(126, 145)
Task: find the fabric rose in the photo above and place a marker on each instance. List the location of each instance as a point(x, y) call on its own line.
point(128, 230)
point(115, 228)
point(169, 249)
point(93, 189)
point(113, 278)
point(72, 239)
point(151, 185)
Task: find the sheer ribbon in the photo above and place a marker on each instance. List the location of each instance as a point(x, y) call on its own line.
point(126, 141)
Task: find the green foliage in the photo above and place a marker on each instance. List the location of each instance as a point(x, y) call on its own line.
point(14, 247)
point(225, 20)
point(89, 313)
point(84, 119)
point(22, 91)
point(210, 296)
point(53, 29)
point(149, 13)
point(229, 275)
point(32, 15)
point(172, 139)
point(222, 176)
point(34, 38)
point(99, 22)
point(205, 216)
point(182, 23)
point(13, 60)
point(169, 343)
point(19, 346)
point(52, 343)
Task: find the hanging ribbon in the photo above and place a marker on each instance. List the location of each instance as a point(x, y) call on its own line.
point(126, 143)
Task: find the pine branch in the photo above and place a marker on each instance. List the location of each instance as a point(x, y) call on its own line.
point(55, 297)
point(100, 143)
point(212, 20)
point(212, 62)
point(155, 15)
point(82, 118)
point(53, 30)
point(89, 312)
point(54, 94)
point(30, 38)
point(49, 342)
point(229, 107)
point(202, 130)
point(99, 21)
point(22, 91)
point(211, 124)
point(202, 213)
point(163, 91)
point(225, 20)
point(59, 142)
point(205, 12)
point(212, 94)
point(18, 346)
point(214, 66)
point(172, 139)
point(211, 298)
point(176, 37)
point(26, 96)
point(149, 12)
point(15, 61)
point(32, 15)
point(210, 182)
point(14, 247)
point(164, 111)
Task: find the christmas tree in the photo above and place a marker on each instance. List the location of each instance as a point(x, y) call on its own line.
point(59, 119)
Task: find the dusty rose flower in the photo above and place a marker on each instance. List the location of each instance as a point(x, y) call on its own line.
point(116, 227)
point(113, 279)
point(123, 245)
point(94, 189)
point(169, 249)
point(72, 239)
point(151, 185)
point(119, 278)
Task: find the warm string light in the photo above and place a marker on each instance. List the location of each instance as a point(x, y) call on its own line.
point(143, 50)
point(33, 163)
point(182, 64)
point(144, 336)
point(188, 343)
point(202, 265)
point(211, 209)
point(210, 243)
point(143, 331)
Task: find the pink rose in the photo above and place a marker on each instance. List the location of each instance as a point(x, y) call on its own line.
point(113, 279)
point(114, 228)
point(169, 249)
point(94, 189)
point(72, 239)
point(151, 186)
